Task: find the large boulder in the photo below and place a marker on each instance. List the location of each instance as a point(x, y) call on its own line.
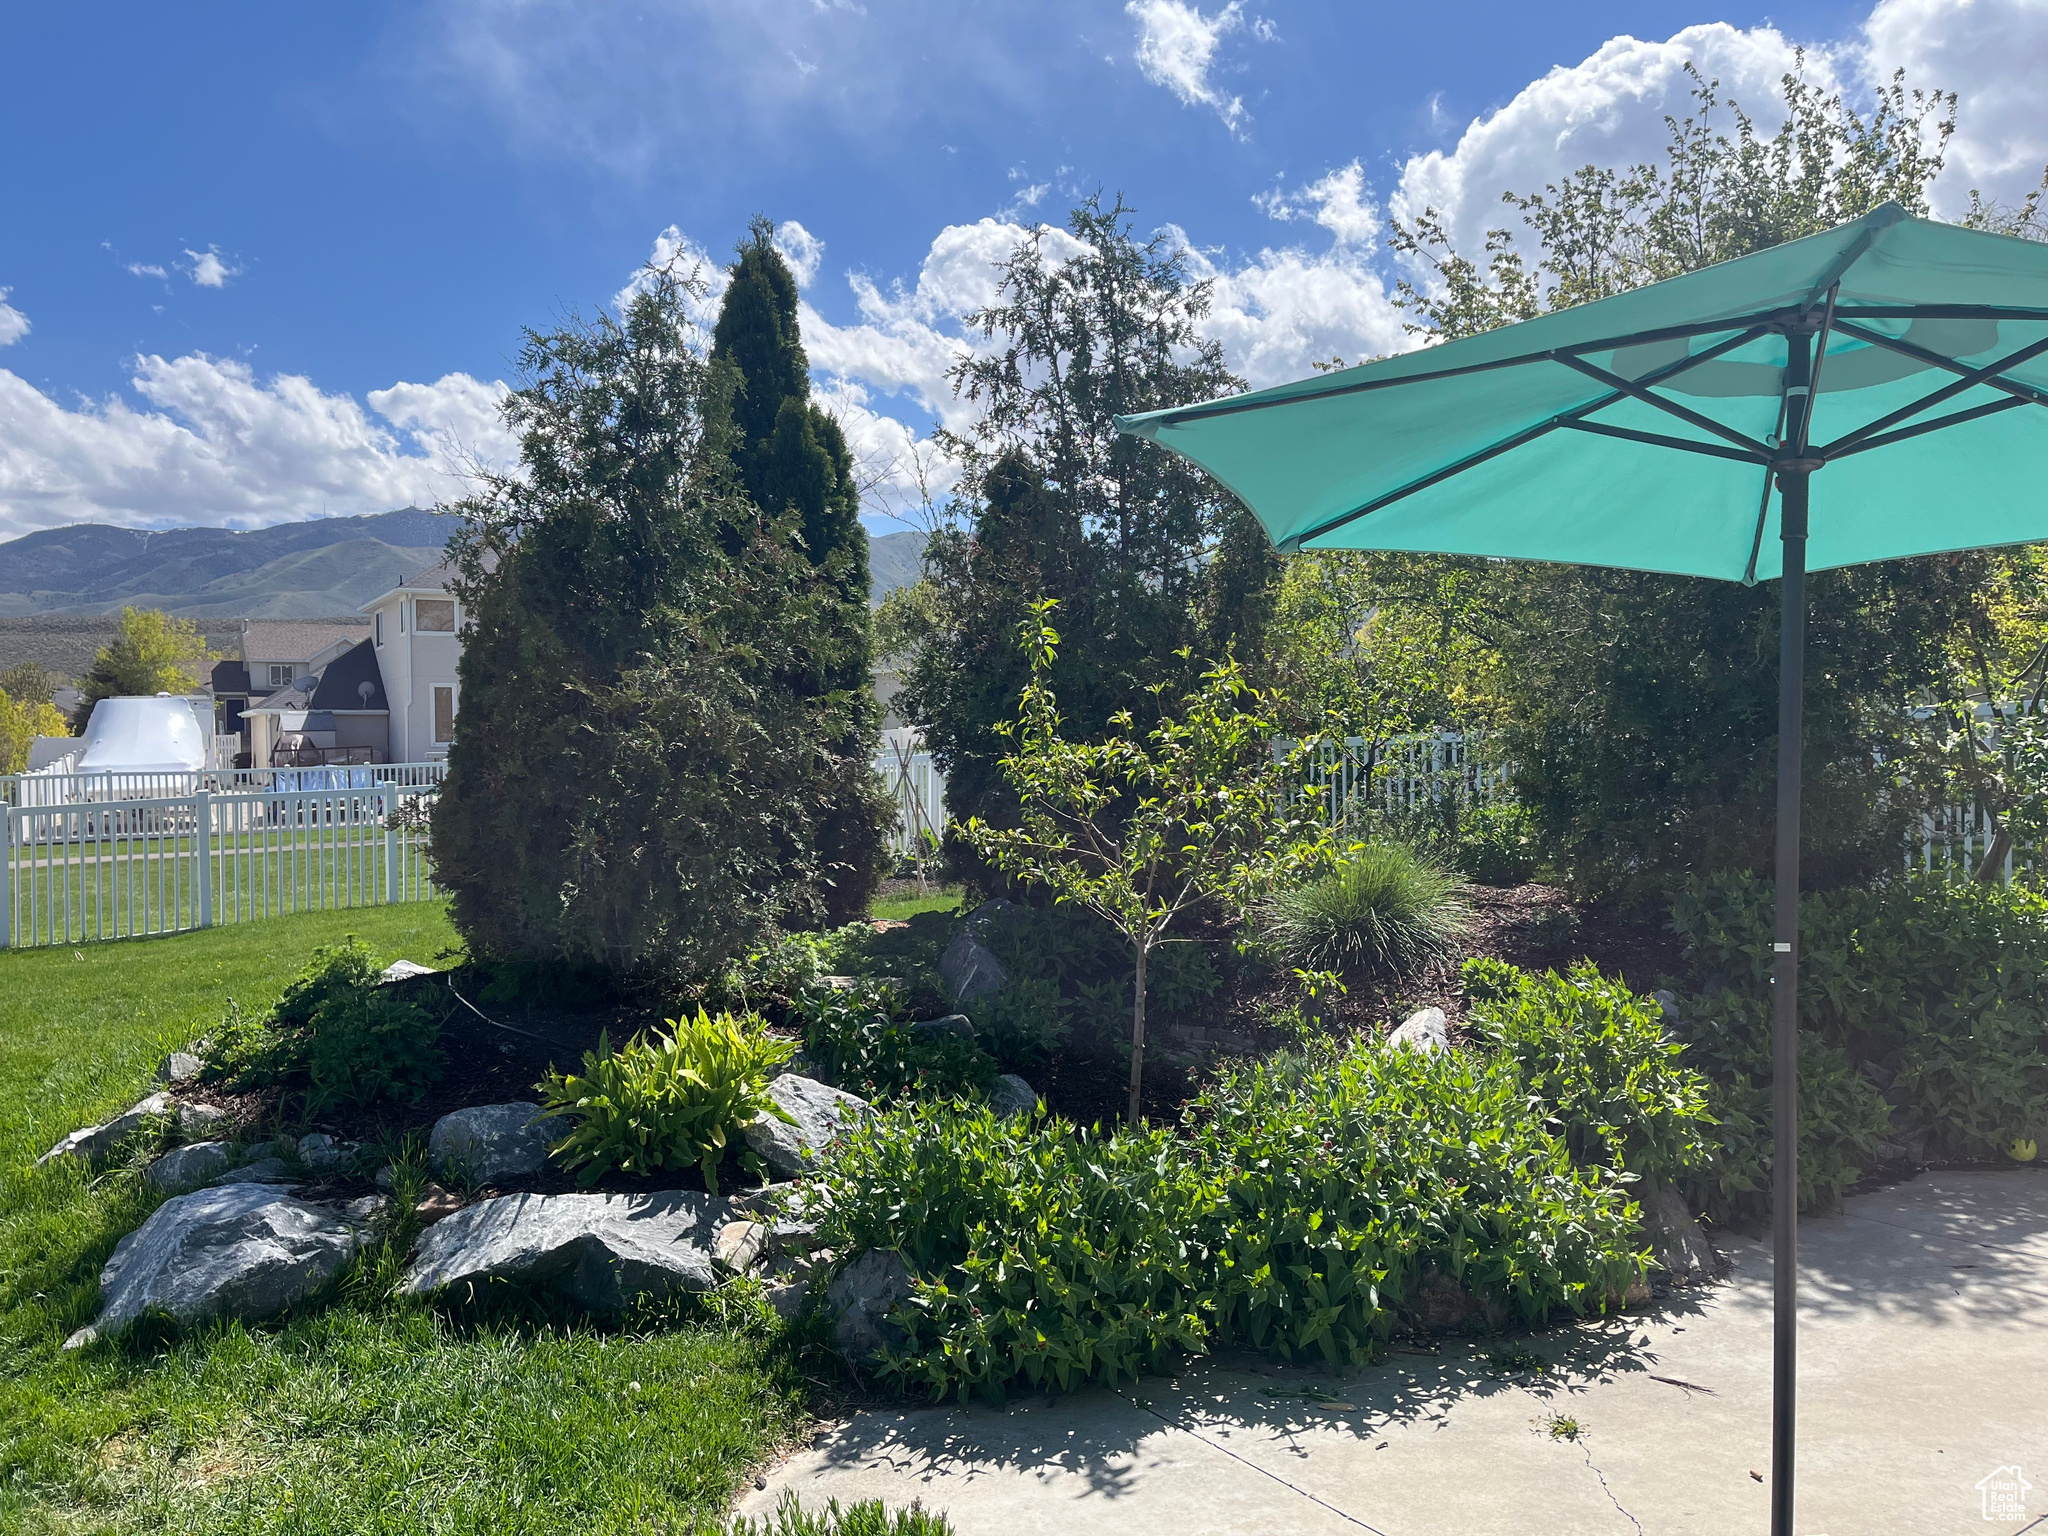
point(237, 1250)
point(861, 1297)
point(179, 1067)
point(602, 1251)
point(1012, 1096)
point(94, 1142)
point(1425, 1030)
point(189, 1167)
point(490, 1143)
point(1679, 1252)
point(969, 968)
point(817, 1113)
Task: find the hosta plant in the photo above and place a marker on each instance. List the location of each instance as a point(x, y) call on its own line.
point(670, 1101)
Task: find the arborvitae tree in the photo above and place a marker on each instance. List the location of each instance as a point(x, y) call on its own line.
point(646, 750)
point(793, 460)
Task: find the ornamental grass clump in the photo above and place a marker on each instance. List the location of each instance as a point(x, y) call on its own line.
point(1386, 909)
point(675, 1100)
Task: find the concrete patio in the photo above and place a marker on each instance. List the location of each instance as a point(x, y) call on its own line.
point(1923, 1371)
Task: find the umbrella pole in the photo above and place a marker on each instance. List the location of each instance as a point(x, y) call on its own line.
point(1792, 489)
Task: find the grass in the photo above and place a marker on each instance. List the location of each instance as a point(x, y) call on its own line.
point(1387, 909)
point(902, 908)
point(364, 1415)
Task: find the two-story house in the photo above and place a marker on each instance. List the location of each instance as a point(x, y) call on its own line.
point(415, 630)
point(270, 654)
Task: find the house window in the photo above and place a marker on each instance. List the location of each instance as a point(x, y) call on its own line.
point(434, 616)
point(444, 716)
point(280, 674)
point(380, 626)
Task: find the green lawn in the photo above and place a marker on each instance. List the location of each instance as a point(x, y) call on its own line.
point(902, 907)
point(360, 1416)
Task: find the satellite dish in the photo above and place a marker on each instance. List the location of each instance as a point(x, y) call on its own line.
point(363, 691)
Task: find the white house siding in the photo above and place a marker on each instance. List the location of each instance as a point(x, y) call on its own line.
point(414, 663)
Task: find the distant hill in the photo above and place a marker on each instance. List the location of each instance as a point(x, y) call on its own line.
point(894, 560)
point(290, 571)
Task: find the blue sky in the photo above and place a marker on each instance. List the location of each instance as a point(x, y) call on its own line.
point(268, 262)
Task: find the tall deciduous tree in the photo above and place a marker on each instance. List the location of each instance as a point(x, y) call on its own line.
point(793, 461)
point(150, 653)
point(648, 748)
point(1145, 555)
point(1641, 708)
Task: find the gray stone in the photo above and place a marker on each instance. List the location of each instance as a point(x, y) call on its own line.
point(1667, 1003)
point(816, 1113)
point(179, 1067)
point(323, 1154)
point(1424, 1030)
point(366, 1208)
point(387, 1177)
point(602, 1251)
point(436, 1204)
point(266, 1170)
point(237, 1250)
point(741, 1245)
point(93, 1142)
point(861, 1299)
point(490, 1143)
point(198, 1121)
point(1679, 1252)
point(969, 968)
point(952, 1024)
point(405, 970)
point(189, 1167)
point(1012, 1096)
point(282, 1146)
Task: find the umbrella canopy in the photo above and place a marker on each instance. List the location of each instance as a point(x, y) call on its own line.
point(1888, 378)
point(1637, 431)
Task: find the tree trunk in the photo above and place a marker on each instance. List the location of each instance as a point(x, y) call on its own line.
point(1138, 1037)
point(1992, 869)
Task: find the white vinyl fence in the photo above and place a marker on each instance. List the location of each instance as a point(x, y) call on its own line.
point(918, 791)
point(107, 868)
point(1403, 773)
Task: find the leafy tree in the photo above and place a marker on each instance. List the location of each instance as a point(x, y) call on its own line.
point(21, 722)
point(150, 653)
point(1146, 556)
point(1143, 829)
point(1641, 708)
point(648, 743)
point(29, 683)
point(793, 460)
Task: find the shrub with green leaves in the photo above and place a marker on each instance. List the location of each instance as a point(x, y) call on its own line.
point(1386, 909)
point(337, 1034)
point(1596, 1056)
point(1496, 844)
point(1296, 1210)
point(860, 1038)
point(676, 1100)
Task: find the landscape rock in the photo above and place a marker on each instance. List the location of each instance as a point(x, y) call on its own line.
point(1012, 1096)
point(490, 1143)
point(387, 1177)
point(435, 1204)
point(266, 1170)
point(366, 1208)
point(862, 1297)
point(952, 1024)
point(968, 967)
point(1679, 1252)
point(189, 1167)
point(1667, 1003)
point(323, 1154)
point(93, 1142)
point(817, 1113)
point(405, 970)
point(741, 1245)
point(236, 1250)
point(1424, 1030)
point(179, 1067)
point(602, 1251)
point(197, 1122)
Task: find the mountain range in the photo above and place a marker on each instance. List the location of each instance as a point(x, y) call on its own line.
point(287, 571)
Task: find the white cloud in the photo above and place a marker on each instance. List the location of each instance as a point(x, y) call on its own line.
point(1994, 54)
point(212, 444)
point(803, 251)
point(13, 323)
point(674, 250)
point(209, 269)
point(147, 269)
point(1177, 47)
point(1337, 201)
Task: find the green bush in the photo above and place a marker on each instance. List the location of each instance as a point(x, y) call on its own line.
point(336, 1033)
point(1386, 909)
point(1597, 1058)
point(860, 1038)
point(1298, 1209)
point(679, 1099)
point(868, 1518)
point(1496, 844)
point(1024, 1024)
point(1936, 992)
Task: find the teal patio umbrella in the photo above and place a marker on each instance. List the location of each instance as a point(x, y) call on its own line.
point(1886, 380)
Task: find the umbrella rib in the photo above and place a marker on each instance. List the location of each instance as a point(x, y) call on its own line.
point(1751, 327)
point(1642, 392)
point(1954, 419)
point(1935, 359)
point(1943, 312)
point(1659, 440)
point(1949, 391)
